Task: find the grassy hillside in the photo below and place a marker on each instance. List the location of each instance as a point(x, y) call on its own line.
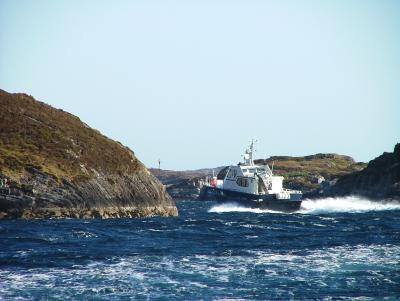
point(33, 134)
point(303, 172)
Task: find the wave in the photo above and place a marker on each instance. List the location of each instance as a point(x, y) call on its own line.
point(350, 204)
point(234, 207)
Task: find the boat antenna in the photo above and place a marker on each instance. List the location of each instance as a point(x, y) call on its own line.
point(248, 155)
point(252, 150)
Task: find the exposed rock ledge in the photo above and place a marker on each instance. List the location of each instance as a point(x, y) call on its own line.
point(115, 196)
point(103, 213)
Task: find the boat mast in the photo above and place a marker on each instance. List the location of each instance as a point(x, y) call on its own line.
point(251, 152)
point(248, 156)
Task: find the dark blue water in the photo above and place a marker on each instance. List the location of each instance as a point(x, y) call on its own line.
point(332, 249)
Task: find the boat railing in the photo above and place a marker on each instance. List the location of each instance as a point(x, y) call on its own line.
point(292, 190)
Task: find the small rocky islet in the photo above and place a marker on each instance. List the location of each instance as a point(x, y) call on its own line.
point(52, 165)
point(379, 180)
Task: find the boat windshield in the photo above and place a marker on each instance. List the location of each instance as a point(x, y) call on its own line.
point(221, 175)
point(254, 170)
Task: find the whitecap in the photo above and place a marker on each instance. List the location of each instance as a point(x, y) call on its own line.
point(198, 284)
point(350, 204)
point(234, 207)
point(84, 234)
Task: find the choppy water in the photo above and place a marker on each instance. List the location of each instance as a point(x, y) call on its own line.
point(331, 249)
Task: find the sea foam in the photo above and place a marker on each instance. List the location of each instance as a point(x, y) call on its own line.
point(234, 207)
point(351, 204)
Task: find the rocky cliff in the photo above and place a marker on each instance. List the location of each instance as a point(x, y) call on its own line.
point(379, 180)
point(54, 165)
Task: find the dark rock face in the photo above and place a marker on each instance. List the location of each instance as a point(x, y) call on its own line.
point(184, 185)
point(187, 189)
point(138, 195)
point(379, 180)
point(54, 166)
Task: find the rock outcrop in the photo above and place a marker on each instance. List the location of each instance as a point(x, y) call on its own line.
point(184, 185)
point(52, 165)
point(379, 180)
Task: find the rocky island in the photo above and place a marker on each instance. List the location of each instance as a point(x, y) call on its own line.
point(379, 180)
point(52, 165)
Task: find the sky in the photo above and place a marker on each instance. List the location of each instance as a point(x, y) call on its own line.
point(192, 82)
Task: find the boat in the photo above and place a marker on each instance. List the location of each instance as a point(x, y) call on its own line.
point(251, 185)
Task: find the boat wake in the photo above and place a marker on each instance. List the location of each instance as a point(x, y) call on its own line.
point(234, 207)
point(350, 204)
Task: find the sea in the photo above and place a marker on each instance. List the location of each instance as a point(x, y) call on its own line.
point(332, 249)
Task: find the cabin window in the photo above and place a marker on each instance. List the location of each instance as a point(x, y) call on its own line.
point(232, 174)
point(243, 182)
point(221, 175)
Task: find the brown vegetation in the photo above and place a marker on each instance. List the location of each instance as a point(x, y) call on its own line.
point(303, 172)
point(35, 135)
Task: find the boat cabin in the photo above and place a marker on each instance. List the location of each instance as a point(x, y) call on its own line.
point(251, 179)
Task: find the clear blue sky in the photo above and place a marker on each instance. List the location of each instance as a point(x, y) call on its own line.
point(191, 82)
